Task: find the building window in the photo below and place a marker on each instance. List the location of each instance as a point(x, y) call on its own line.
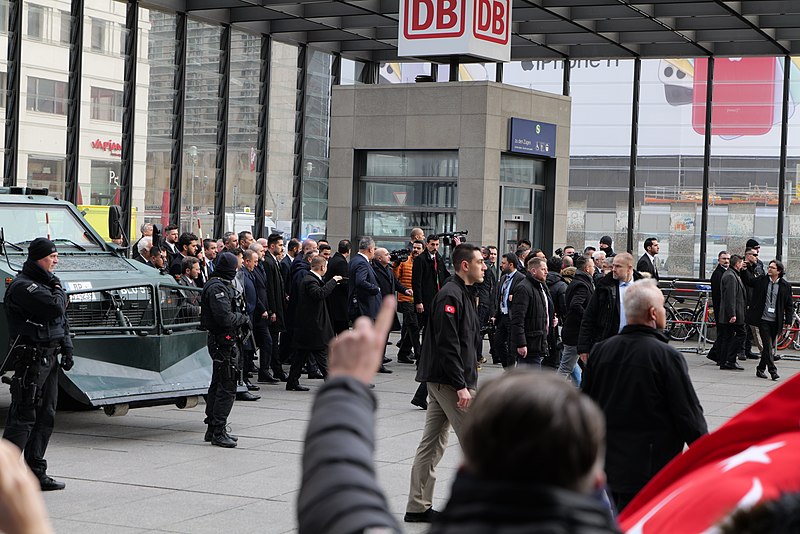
point(47, 96)
point(66, 27)
point(99, 29)
point(36, 17)
point(106, 104)
point(3, 16)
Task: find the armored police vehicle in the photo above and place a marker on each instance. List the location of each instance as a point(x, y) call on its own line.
point(135, 330)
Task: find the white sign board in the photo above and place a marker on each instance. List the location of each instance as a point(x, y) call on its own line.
point(480, 28)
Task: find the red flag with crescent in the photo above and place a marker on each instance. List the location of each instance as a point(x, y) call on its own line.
point(753, 457)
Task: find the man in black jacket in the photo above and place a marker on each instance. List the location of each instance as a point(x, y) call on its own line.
point(448, 364)
point(770, 308)
point(187, 247)
point(221, 317)
point(427, 277)
point(532, 314)
point(313, 330)
point(557, 287)
point(36, 306)
point(648, 262)
point(262, 315)
point(579, 293)
point(276, 299)
point(723, 262)
point(499, 489)
point(337, 301)
point(385, 275)
point(643, 387)
point(486, 295)
point(752, 269)
point(509, 279)
point(731, 316)
point(605, 315)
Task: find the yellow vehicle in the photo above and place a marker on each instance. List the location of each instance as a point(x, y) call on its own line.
point(97, 217)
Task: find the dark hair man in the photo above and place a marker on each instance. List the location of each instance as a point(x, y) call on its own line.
point(276, 299)
point(337, 300)
point(532, 315)
point(189, 307)
point(731, 316)
point(770, 308)
point(576, 299)
point(221, 317)
point(245, 239)
point(170, 241)
point(300, 267)
point(605, 315)
point(448, 364)
point(36, 306)
point(723, 262)
point(589, 251)
point(292, 249)
point(486, 294)
point(643, 387)
point(499, 487)
point(510, 277)
point(648, 262)
point(428, 275)
point(187, 246)
point(569, 250)
point(315, 330)
point(325, 251)
point(751, 270)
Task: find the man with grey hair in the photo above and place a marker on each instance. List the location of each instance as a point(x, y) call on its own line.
point(643, 387)
point(147, 231)
point(599, 258)
point(143, 247)
point(364, 294)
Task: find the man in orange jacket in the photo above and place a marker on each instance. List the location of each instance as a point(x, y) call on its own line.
point(409, 333)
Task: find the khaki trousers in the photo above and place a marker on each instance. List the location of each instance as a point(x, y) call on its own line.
point(441, 414)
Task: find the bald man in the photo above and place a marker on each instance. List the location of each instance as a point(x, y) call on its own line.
point(643, 387)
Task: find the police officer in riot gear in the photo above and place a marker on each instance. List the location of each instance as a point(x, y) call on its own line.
point(36, 306)
point(221, 316)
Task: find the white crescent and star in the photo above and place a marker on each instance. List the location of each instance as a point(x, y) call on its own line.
point(755, 454)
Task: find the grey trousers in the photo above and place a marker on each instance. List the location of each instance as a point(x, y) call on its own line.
point(441, 414)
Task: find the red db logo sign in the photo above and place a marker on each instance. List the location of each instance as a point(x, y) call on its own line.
point(491, 20)
point(434, 19)
point(477, 28)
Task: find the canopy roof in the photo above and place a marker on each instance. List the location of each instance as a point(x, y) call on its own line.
point(542, 29)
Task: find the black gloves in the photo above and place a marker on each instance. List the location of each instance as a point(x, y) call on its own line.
point(67, 362)
point(55, 283)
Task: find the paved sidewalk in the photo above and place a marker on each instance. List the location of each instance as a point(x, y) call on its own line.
point(150, 471)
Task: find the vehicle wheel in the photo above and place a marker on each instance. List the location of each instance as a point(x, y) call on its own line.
point(679, 325)
point(786, 336)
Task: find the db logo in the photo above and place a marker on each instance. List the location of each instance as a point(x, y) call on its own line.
point(433, 19)
point(491, 20)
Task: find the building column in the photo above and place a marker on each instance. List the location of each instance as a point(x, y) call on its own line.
point(263, 131)
point(222, 131)
point(637, 83)
point(178, 104)
point(706, 167)
point(10, 162)
point(299, 133)
point(74, 101)
point(787, 68)
point(129, 114)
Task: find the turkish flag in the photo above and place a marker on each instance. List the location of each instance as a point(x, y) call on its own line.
point(753, 457)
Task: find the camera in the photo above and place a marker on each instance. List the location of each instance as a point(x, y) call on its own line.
point(447, 237)
point(399, 255)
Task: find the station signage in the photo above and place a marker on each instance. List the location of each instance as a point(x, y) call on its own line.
point(532, 137)
point(479, 28)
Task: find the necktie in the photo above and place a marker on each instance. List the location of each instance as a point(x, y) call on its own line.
point(655, 266)
point(505, 292)
point(546, 313)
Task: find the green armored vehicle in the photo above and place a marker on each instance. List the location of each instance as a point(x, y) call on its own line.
point(135, 330)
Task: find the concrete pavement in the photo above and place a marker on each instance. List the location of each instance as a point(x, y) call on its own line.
point(150, 471)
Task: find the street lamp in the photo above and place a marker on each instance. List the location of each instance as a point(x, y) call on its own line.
point(193, 156)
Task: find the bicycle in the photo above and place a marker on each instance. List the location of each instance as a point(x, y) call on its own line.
point(684, 323)
point(788, 336)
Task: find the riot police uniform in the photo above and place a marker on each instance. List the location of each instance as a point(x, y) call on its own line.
point(36, 305)
point(221, 316)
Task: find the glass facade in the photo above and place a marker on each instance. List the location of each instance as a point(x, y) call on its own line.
point(403, 189)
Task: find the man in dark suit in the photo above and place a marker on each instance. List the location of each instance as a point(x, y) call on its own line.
point(292, 249)
point(731, 316)
point(337, 301)
point(276, 298)
point(363, 293)
point(723, 262)
point(648, 262)
point(187, 246)
point(427, 277)
point(261, 315)
point(509, 279)
point(386, 278)
point(314, 330)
